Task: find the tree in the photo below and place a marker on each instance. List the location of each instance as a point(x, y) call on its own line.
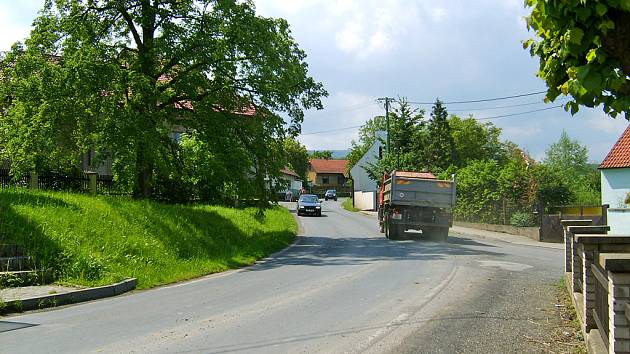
point(584, 52)
point(405, 124)
point(367, 137)
point(297, 157)
point(115, 76)
point(475, 141)
point(568, 159)
point(567, 156)
point(478, 191)
point(323, 154)
point(440, 148)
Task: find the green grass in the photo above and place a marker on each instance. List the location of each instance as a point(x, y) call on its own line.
point(347, 204)
point(93, 241)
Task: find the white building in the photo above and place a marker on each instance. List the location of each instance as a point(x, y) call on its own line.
point(365, 189)
point(615, 171)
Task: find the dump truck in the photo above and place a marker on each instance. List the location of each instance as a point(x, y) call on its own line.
point(416, 201)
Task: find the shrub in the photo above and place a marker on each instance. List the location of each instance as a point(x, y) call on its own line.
point(522, 219)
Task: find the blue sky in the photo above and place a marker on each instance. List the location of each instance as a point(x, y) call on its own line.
point(451, 49)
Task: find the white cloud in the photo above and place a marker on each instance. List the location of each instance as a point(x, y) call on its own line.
point(351, 37)
point(343, 109)
point(438, 14)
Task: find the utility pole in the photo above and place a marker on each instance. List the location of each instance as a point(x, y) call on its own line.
point(387, 99)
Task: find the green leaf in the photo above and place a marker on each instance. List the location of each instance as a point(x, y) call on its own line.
point(601, 9)
point(593, 81)
point(591, 55)
point(606, 25)
point(576, 35)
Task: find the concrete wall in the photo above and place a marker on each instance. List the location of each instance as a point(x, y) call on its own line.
point(361, 179)
point(619, 221)
point(365, 200)
point(615, 187)
point(531, 232)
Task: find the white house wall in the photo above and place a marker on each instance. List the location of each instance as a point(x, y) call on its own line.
point(615, 187)
point(361, 179)
point(365, 200)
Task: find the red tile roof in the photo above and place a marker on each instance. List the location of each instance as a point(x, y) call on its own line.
point(619, 155)
point(329, 166)
point(288, 172)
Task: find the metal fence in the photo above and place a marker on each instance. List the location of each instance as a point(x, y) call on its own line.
point(77, 182)
point(7, 181)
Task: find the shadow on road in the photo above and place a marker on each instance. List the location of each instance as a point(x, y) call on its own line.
point(6, 326)
point(329, 251)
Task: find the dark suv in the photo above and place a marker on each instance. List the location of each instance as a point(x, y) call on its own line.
point(330, 194)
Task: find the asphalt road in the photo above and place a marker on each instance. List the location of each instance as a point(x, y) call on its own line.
point(342, 287)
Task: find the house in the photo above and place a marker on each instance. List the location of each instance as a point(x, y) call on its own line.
point(615, 172)
point(365, 189)
point(295, 182)
point(328, 174)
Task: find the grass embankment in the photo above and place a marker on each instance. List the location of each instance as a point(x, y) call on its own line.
point(93, 241)
point(347, 204)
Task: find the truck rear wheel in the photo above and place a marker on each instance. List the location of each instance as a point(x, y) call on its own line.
point(395, 231)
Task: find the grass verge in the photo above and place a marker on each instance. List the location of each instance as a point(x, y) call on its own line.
point(568, 335)
point(93, 241)
point(347, 204)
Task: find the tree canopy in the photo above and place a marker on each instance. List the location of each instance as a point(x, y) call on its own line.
point(116, 77)
point(322, 154)
point(584, 51)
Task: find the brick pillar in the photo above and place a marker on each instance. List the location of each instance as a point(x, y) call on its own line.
point(588, 285)
point(92, 183)
point(34, 183)
point(568, 240)
point(618, 297)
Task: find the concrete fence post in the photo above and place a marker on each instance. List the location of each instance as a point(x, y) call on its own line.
point(92, 182)
point(568, 241)
point(34, 182)
point(617, 267)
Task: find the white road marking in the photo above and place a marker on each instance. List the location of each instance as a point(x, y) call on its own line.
point(510, 266)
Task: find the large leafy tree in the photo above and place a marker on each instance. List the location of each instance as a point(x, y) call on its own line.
point(475, 141)
point(116, 76)
point(322, 154)
point(568, 160)
point(584, 51)
point(297, 157)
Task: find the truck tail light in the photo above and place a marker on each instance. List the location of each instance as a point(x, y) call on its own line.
point(396, 214)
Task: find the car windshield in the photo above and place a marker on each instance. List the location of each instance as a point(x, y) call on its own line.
point(330, 191)
point(309, 199)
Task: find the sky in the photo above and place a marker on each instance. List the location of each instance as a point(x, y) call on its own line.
point(453, 50)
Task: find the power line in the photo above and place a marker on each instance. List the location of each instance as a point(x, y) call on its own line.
point(332, 130)
point(355, 107)
point(484, 118)
point(482, 100)
point(519, 113)
point(499, 107)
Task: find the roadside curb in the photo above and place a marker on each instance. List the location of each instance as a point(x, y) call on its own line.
point(497, 238)
point(82, 295)
point(507, 240)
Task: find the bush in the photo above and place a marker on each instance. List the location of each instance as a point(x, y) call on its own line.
point(522, 219)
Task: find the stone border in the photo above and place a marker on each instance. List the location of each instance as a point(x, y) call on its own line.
point(530, 232)
point(81, 295)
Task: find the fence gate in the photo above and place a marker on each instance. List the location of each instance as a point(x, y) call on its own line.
point(550, 227)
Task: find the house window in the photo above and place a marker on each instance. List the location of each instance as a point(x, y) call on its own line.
point(325, 180)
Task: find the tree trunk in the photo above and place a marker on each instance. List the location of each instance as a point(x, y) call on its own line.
point(144, 176)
